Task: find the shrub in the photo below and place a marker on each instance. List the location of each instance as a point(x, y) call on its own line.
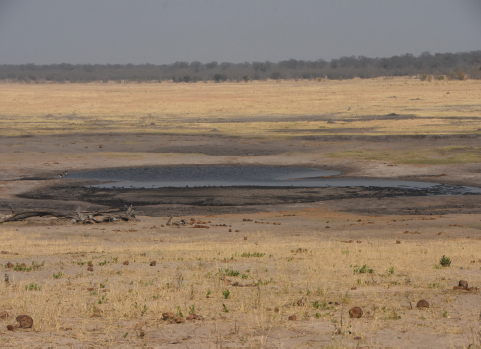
point(363, 270)
point(441, 77)
point(276, 76)
point(226, 294)
point(445, 261)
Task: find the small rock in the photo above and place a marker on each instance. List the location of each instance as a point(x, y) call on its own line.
point(25, 321)
point(3, 315)
point(9, 265)
point(90, 268)
point(292, 318)
point(167, 316)
point(353, 288)
point(355, 312)
point(276, 309)
point(126, 263)
point(423, 304)
point(230, 230)
point(153, 263)
point(459, 288)
point(245, 237)
point(194, 317)
point(179, 320)
point(463, 283)
point(398, 242)
point(11, 327)
point(90, 264)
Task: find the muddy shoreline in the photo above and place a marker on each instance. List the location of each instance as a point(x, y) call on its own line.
point(230, 200)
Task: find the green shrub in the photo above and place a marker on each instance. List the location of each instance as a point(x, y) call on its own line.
point(445, 261)
point(363, 270)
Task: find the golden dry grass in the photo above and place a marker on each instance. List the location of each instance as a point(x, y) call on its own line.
point(114, 303)
point(67, 108)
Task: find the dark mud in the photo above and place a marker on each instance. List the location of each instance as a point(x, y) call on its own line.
point(184, 201)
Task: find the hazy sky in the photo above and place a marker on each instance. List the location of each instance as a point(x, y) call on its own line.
point(165, 31)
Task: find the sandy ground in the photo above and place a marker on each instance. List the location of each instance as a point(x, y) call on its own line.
point(335, 231)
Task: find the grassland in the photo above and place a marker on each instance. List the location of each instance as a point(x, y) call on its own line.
point(263, 106)
point(245, 278)
point(311, 272)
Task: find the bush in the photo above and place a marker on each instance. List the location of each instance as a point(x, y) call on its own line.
point(423, 76)
point(441, 77)
point(445, 261)
point(276, 76)
point(246, 78)
point(220, 77)
point(363, 270)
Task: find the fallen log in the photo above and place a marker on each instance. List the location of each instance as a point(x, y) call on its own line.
point(24, 215)
point(78, 217)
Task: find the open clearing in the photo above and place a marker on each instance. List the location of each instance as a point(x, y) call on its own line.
point(249, 266)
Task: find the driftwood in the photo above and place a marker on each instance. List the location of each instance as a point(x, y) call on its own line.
point(182, 221)
point(113, 215)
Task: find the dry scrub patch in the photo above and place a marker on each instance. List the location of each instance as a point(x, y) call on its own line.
point(242, 291)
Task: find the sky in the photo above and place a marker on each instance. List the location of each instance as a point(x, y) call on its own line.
point(236, 31)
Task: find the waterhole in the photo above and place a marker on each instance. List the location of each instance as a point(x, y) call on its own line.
point(241, 176)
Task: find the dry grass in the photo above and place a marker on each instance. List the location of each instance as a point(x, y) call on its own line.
point(98, 108)
point(191, 272)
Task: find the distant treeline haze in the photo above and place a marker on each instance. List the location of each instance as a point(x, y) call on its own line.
point(440, 66)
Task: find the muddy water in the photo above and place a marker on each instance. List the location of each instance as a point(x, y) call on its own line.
point(236, 176)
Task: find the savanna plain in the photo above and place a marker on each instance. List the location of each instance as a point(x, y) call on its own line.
point(241, 266)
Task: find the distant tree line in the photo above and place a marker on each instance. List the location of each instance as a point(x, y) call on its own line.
point(426, 66)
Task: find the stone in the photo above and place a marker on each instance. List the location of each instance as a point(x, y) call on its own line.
point(90, 268)
point(459, 288)
point(9, 265)
point(25, 321)
point(355, 312)
point(423, 304)
point(194, 317)
point(167, 316)
point(11, 327)
point(463, 283)
point(90, 264)
point(245, 237)
point(292, 318)
point(353, 288)
point(398, 242)
point(179, 320)
point(126, 263)
point(153, 263)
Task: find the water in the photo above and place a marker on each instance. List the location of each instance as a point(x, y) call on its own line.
point(265, 176)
